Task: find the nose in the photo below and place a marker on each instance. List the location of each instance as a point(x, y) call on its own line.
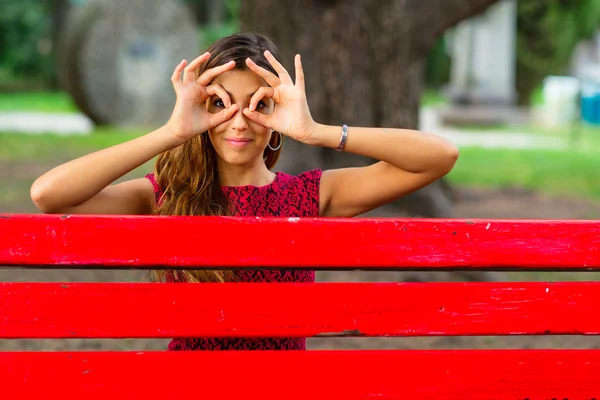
point(239, 121)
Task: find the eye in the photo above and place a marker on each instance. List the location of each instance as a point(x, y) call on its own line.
point(219, 103)
point(260, 105)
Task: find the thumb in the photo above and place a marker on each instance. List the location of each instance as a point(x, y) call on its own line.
point(259, 118)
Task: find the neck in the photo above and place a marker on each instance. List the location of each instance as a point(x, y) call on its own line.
point(243, 175)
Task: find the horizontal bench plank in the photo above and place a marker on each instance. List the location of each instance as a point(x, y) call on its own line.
point(321, 243)
point(122, 310)
point(348, 375)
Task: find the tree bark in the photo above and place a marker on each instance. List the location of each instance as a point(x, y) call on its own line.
point(59, 11)
point(363, 62)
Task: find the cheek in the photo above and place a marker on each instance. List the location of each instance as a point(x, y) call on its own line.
point(262, 134)
point(217, 130)
point(214, 135)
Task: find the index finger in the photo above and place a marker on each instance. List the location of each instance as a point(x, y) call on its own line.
point(220, 91)
point(268, 76)
point(210, 74)
point(191, 68)
point(283, 74)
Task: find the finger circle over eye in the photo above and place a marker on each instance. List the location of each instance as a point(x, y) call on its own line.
point(261, 93)
point(218, 90)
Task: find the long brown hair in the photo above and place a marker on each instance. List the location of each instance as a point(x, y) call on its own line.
point(188, 174)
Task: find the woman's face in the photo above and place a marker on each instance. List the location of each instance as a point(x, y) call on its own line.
point(239, 140)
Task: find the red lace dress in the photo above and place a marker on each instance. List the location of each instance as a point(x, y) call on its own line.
point(286, 196)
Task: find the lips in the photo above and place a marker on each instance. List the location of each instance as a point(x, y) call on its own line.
point(238, 142)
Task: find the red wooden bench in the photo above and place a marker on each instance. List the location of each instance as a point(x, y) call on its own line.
point(159, 310)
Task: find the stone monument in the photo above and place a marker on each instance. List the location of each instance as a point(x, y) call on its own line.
point(117, 58)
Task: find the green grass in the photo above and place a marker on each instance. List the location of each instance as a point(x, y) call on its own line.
point(23, 147)
point(553, 172)
point(573, 170)
point(53, 102)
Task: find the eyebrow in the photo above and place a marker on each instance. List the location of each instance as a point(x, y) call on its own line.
point(247, 96)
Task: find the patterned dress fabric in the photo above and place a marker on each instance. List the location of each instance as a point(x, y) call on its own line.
point(286, 196)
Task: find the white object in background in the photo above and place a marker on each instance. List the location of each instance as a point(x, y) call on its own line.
point(561, 101)
point(40, 123)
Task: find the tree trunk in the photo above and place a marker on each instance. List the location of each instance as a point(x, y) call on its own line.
point(363, 62)
point(59, 11)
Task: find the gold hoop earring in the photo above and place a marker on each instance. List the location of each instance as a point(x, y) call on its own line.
point(279, 145)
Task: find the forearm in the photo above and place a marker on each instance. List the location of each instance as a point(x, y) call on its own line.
point(409, 150)
point(77, 181)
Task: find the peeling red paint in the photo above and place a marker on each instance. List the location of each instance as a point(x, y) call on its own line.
point(196, 242)
point(123, 310)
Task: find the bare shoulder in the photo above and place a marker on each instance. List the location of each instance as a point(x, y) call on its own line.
point(348, 192)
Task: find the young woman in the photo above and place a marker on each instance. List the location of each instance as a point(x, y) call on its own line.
point(235, 104)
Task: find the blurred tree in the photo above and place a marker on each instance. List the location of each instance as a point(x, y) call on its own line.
point(25, 44)
point(364, 63)
point(60, 11)
point(547, 33)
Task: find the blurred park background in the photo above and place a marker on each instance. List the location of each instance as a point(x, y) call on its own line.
point(514, 83)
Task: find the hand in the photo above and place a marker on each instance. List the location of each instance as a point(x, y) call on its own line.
point(190, 116)
point(291, 116)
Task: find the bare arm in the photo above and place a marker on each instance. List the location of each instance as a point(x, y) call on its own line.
point(410, 160)
point(84, 185)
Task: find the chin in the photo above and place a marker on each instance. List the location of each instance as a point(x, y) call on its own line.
point(239, 158)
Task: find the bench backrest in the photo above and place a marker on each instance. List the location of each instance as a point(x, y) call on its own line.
point(160, 310)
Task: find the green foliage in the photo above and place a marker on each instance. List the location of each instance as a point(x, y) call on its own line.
point(202, 10)
point(547, 33)
point(233, 9)
point(26, 48)
point(210, 33)
point(437, 66)
point(24, 32)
